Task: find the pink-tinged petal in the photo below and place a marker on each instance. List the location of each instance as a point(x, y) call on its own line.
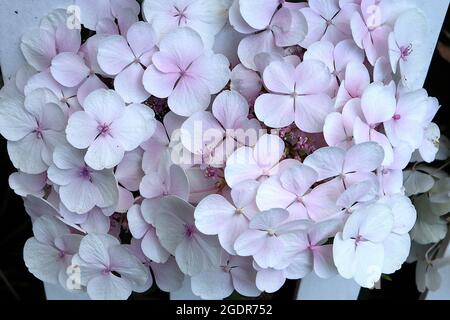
point(25, 184)
point(328, 162)
point(15, 122)
point(289, 27)
point(69, 69)
point(26, 154)
point(138, 226)
point(246, 82)
point(244, 276)
point(356, 79)
point(279, 77)
point(168, 276)
point(107, 26)
point(344, 255)
point(237, 225)
point(179, 184)
point(108, 287)
point(141, 38)
point(129, 130)
point(189, 96)
point(373, 222)
point(369, 261)
point(363, 191)
point(125, 200)
point(215, 284)
point(258, 19)
point(182, 46)
point(363, 157)
point(334, 131)
point(301, 265)
point(311, 77)
point(128, 84)
point(213, 70)
point(104, 105)
point(268, 151)
point(271, 194)
point(151, 186)
point(237, 21)
point(94, 248)
point(210, 210)
point(242, 166)
point(326, 9)
point(38, 48)
point(377, 94)
point(321, 51)
point(230, 108)
point(104, 153)
point(345, 52)
point(396, 250)
point(91, 84)
point(254, 44)
point(129, 171)
point(197, 255)
point(311, 112)
point(270, 280)
point(276, 111)
point(152, 248)
point(250, 242)
point(114, 54)
point(359, 29)
point(323, 261)
point(159, 84)
point(81, 130)
point(321, 201)
point(382, 71)
point(201, 133)
point(298, 179)
point(316, 27)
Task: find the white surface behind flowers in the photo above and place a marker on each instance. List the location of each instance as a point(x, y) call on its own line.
point(29, 12)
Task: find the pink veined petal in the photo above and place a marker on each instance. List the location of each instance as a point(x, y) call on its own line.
point(210, 210)
point(141, 38)
point(230, 108)
point(179, 184)
point(359, 29)
point(104, 105)
point(326, 9)
point(114, 54)
point(356, 79)
point(69, 69)
point(244, 277)
point(377, 94)
point(289, 27)
point(320, 203)
point(279, 77)
point(258, 19)
point(237, 21)
point(271, 194)
point(311, 112)
point(103, 153)
point(316, 27)
point(250, 242)
point(328, 162)
point(15, 121)
point(236, 226)
point(168, 276)
point(158, 83)
point(321, 51)
point(38, 48)
point(268, 151)
point(108, 287)
point(335, 133)
point(276, 111)
point(215, 284)
point(213, 70)
point(189, 96)
point(270, 280)
point(129, 130)
point(138, 226)
point(365, 157)
point(152, 248)
point(323, 261)
point(254, 44)
point(311, 77)
point(345, 52)
point(81, 130)
point(91, 84)
point(241, 166)
point(128, 83)
point(298, 179)
point(151, 186)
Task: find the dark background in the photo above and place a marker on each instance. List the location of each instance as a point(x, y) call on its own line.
point(16, 283)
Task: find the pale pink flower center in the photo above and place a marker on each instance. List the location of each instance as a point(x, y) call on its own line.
point(39, 131)
point(396, 117)
point(85, 173)
point(103, 129)
point(405, 52)
point(189, 230)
